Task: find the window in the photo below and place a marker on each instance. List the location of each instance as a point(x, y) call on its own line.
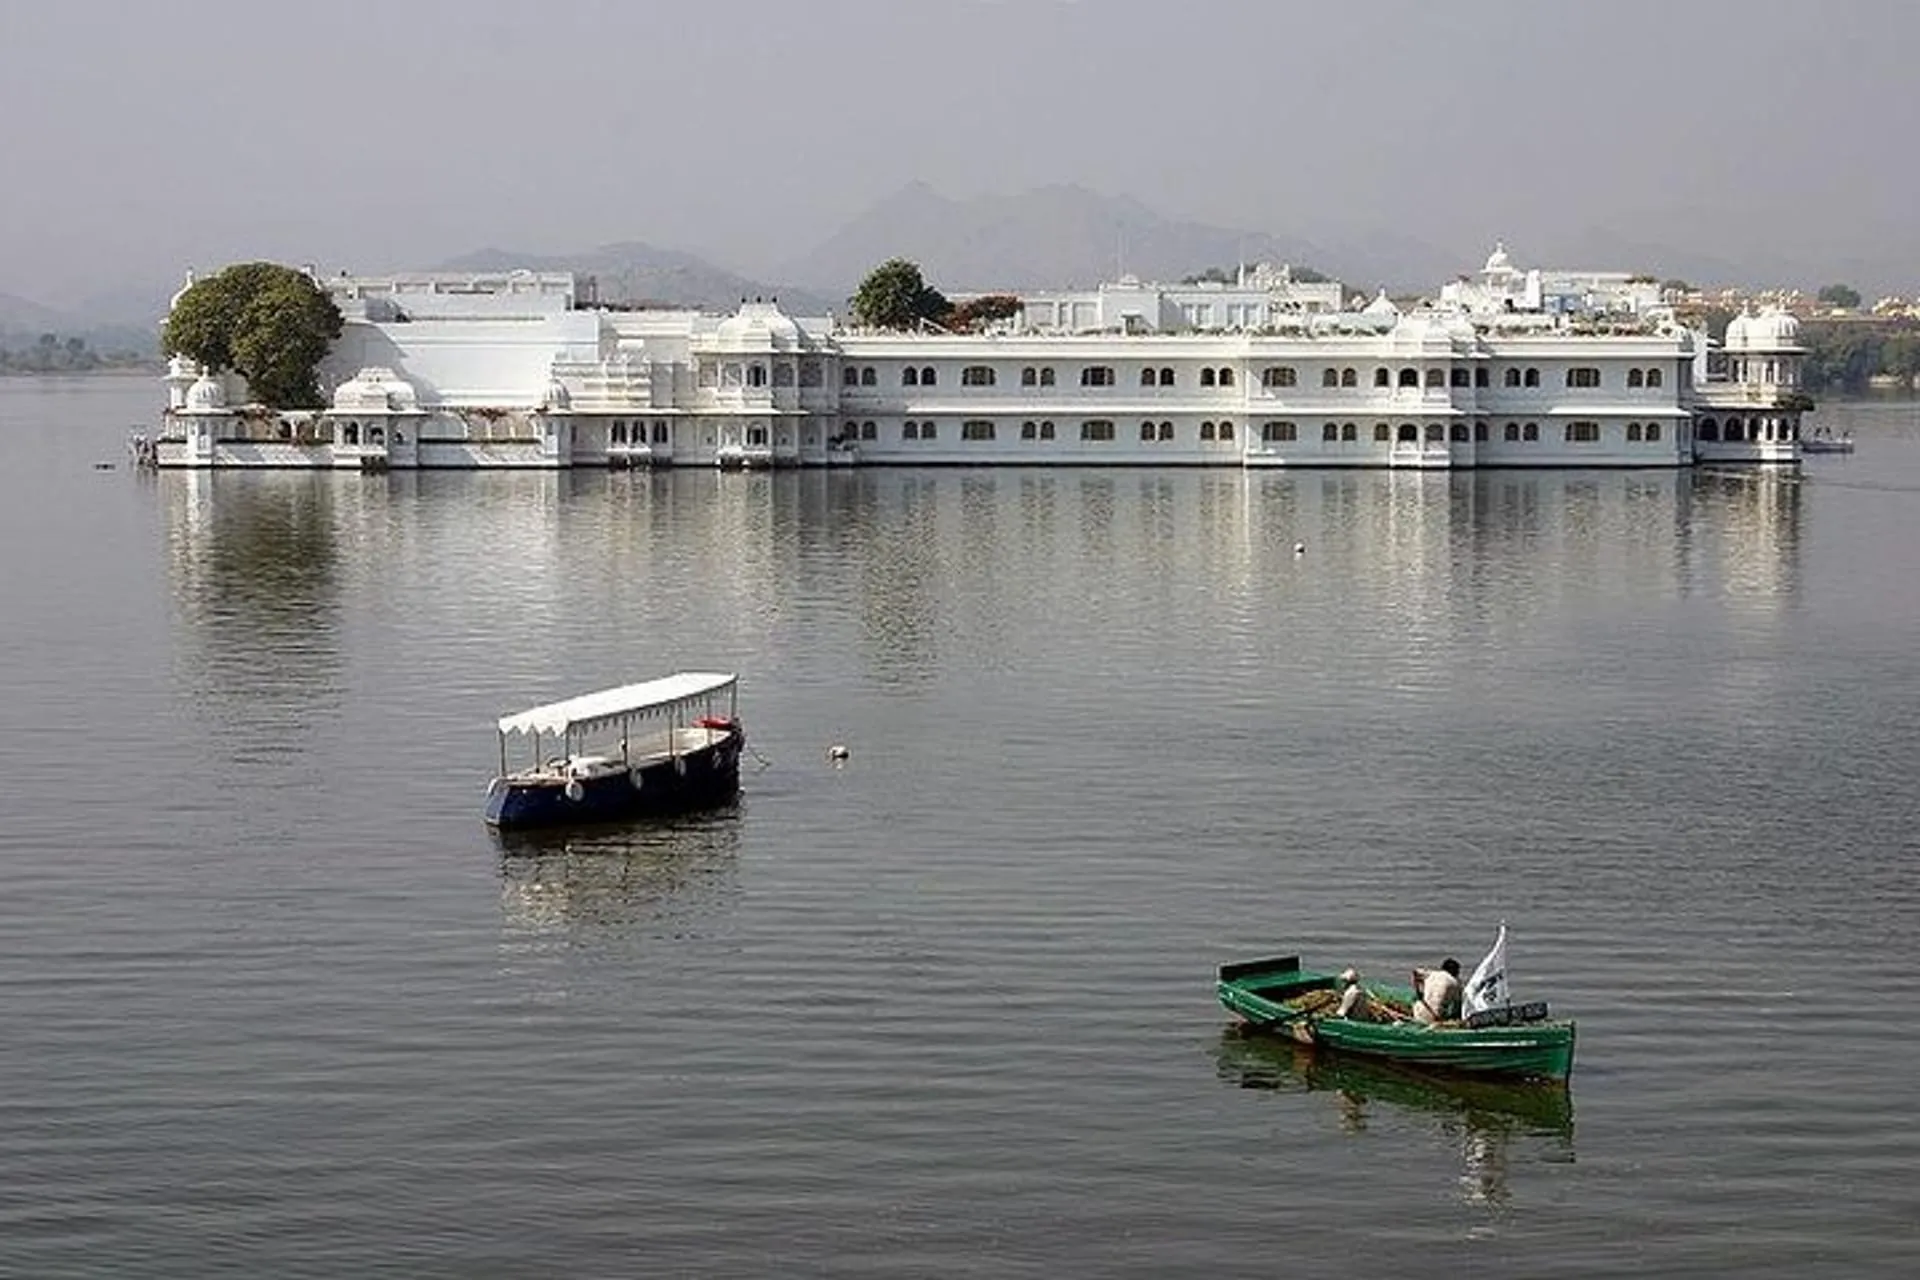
point(1329, 377)
point(1511, 433)
point(1530, 432)
point(1479, 433)
point(1029, 376)
point(660, 432)
point(1436, 433)
point(1046, 431)
point(1583, 433)
point(850, 376)
point(976, 430)
point(1278, 432)
point(1029, 430)
point(757, 437)
point(1348, 433)
point(1146, 378)
point(1275, 376)
point(1459, 433)
point(1635, 378)
point(1166, 377)
point(783, 374)
point(1381, 378)
point(909, 377)
point(810, 373)
point(1459, 377)
point(1511, 378)
point(1208, 431)
point(756, 375)
point(909, 430)
point(1330, 432)
point(1046, 377)
point(1709, 430)
point(1226, 431)
point(1349, 377)
point(1436, 377)
point(1482, 377)
point(927, 376)
point(1733, 431)
point(1166, 431)
point(1653, 433)
point(1096, 429)
point(618, 433)
point(1097, 375)
point(976, 375)
point(1583, 376)
point(928, 430)
point(1653, 377)
point(1226, 377)
point(1533, 377)
point(1633, 429)
point(868, 431)
point(1147, 431)
point(1409, 434)
point(1409, 377)
point(1206, 377)
point(1382, 433)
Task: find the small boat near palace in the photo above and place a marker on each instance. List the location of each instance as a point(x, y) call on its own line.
point(656, 748)
point(1820, 440)
point(1276, 994)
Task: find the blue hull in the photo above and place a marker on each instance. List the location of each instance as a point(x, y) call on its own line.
point(703, 779)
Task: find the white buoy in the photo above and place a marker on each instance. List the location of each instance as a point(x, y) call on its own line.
point(837, 752)
point(1299, 548)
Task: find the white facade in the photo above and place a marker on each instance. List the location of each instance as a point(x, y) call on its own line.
point(509, 370)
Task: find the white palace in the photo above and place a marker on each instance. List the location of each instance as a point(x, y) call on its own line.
point(1506, 368)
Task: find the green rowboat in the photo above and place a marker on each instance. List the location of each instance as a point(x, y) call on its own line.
point(1277, 995)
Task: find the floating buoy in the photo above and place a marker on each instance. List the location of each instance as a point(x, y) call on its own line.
point(837, 753)
point(103, 466)
point(1299, 548)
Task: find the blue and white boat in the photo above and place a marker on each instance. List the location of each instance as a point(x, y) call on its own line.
point(656, 748)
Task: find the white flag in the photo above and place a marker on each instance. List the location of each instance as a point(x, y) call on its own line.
point(1487, 988)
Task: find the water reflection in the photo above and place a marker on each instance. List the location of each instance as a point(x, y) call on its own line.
point(1493, 1124)
point(663, 877)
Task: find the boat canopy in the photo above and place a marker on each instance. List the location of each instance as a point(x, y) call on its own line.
point(600, 710)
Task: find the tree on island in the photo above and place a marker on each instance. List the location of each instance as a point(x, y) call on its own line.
point(1841, 296)
point(269, 323)
point(1231, 275)
point(895, 296)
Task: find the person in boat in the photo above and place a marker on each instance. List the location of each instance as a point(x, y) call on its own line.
point(1437, 993)
point(1353, 998)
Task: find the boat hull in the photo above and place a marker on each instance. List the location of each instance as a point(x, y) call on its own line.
point(705, 778)
point(1259, 993)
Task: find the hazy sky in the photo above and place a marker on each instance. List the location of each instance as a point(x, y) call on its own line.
point(143, 137)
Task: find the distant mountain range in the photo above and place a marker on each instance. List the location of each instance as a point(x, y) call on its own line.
point(1059, 236)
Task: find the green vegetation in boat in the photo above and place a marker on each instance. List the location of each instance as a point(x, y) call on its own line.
point(1494, 1037)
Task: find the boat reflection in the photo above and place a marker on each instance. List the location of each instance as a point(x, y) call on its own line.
point(1492, 1121)
point(664, 874)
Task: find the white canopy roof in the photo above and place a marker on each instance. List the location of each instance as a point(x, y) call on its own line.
point(596, 710)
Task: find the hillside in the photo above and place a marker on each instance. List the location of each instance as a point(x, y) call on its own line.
point(641, 274)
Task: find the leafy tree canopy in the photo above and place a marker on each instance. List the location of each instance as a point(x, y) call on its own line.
point(977, 313)
point(1840, 295)
point(895, 296)
point(271, 324)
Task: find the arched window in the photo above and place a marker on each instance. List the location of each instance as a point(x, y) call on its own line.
point(1146, 378)
point(757, 437)
point(1511, 433)
point(1278, 432)
point(1097, 430)
point(350, 434)
point(1436, 432)
point(976, 430)
point(1148, 431)
point(1653, 377)
point(756, 375)
point(1329, 377)
point(1459, 433)
point(909, 430)
point(1271, 376)
point(1096, 375)
point(1653, 433)
point(1709, 429)
point(1046, 430)
point(849, 376)
point(1409, 377)
point(1633, 433)
point(1510, 378)
point(1436, 377)
point(1409, 434)
point(1382, 433)
point(1584, 376)
point(1027, 430)
point(1635, 378)
point(1530, 432)
point(1735, 430)
point(909, 377)
point(1166, 431)
point(1207, 431)
point(1381, 378)
point(927, 376)
point(1533, 378)
point(1480, 433)
point(1166, 377)
point(977, 375)
point(1459, 378)
point(1226, 431)
point(1206, 377)
point(1482, 377)
point(1349, 377)
point(1348, 433)
point(1330, 433)
point(1046, 380)
point(1226, 377)
point(1029, 377)
point(868, 378)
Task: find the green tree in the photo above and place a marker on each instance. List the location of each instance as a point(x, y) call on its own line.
point(977, 313)
point(1674, 284)
point(895, 296)
point(270, 323)
point(1840, 295)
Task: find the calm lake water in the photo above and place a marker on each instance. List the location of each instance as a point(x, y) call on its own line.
point(276, 1004)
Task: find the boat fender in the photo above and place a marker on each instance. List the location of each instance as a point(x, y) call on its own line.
point(680, 765)
point(573, 790)
point(637, 776)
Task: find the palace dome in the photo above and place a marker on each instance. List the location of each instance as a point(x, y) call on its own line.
point(1498, 259)
point(376, 390)
point(758, 326)
point(559, 399)
point(1738, 330)
point(1774, 329)
point(206, 395)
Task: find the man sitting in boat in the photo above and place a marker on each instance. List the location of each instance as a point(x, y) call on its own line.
point(1354, 1003)
point(1438, 993)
